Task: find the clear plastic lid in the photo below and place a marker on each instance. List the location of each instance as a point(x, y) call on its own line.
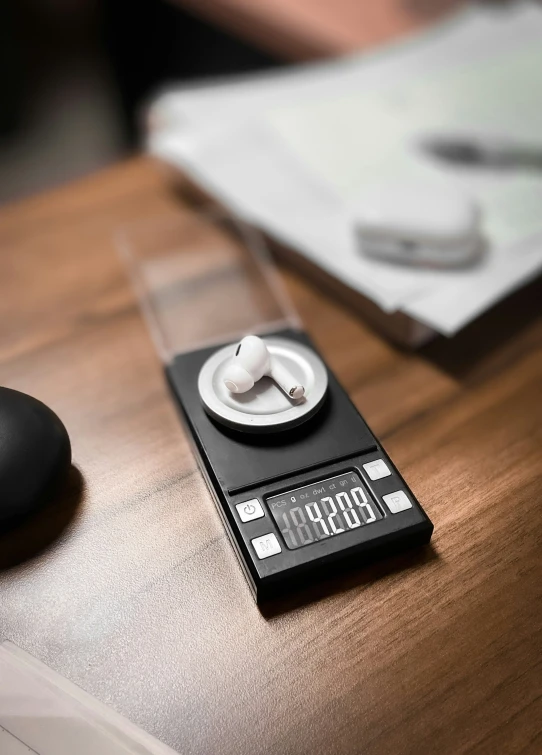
point(203, 278)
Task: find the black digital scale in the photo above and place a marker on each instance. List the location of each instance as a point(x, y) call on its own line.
point(299, 502)
point(302, 485)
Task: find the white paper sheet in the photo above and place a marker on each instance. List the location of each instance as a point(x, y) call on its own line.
point(195, 110)
point(356, 141)
point(284, 151)
point(43, 714)
point(301, 213)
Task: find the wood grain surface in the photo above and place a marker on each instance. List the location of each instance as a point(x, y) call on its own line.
point(129, 587)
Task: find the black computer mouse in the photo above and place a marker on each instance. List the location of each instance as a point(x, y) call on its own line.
point(35, 454)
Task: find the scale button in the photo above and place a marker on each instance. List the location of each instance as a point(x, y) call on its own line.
point(249, 510)
point(266, 545)
point(397, 501)
point(377, 469)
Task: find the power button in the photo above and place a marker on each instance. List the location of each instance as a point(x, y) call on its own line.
point(249, 510)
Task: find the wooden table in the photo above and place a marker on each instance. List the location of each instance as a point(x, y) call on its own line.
point(135, 593)
point(307, 29)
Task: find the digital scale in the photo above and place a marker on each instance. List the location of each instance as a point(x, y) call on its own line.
point(302, 486)
point(297, 498)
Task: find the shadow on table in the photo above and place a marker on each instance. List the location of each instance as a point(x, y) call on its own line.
point(462, 355)
point(350, 578)
point(34, 533)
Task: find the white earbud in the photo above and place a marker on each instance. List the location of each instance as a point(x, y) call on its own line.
point(251, 362)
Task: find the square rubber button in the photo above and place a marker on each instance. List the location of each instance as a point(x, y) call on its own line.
point(377, 469)
point(249, 510)
point(397, 501)
point(266, 545)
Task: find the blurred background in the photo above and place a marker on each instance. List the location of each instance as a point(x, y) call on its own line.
point(74, 74)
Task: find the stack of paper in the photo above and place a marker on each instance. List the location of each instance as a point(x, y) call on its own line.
point(43, 713)
point(290, 151)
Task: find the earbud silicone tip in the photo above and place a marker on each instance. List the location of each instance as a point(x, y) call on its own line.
point(237, 379)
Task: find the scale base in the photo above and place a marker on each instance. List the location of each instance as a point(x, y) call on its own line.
point(242, 468)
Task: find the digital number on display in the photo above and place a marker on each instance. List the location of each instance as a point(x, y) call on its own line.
point(323, 510)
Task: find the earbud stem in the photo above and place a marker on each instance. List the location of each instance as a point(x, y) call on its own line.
point(285, 380)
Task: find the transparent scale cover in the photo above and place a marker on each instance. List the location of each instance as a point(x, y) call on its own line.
point(203, 278)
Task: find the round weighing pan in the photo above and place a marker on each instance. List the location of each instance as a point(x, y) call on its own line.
point(264, 408)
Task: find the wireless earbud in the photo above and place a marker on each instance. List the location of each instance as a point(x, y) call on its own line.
point(251, 362)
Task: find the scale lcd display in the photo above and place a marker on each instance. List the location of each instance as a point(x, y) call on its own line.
point(323, 509)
